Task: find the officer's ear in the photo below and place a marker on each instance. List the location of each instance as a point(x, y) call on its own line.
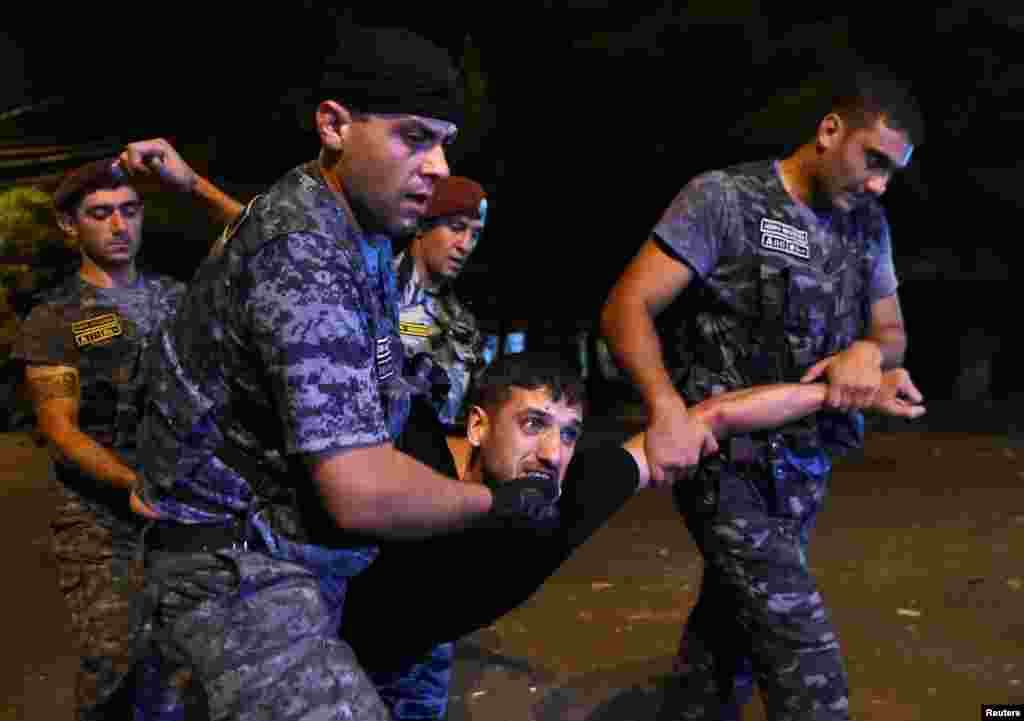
point(332, 122)
point(66, 222)
point(830, 131)
point(478, 425)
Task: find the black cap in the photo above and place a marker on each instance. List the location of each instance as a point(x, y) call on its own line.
point(393, 70)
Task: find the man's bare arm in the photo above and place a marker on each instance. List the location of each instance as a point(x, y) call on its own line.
point(649, 283)
point(771, 406)
point(56, 396)
point(652, 280)
point(888, 331)
point(380, 491)
point(157, 159)
point(854, 375)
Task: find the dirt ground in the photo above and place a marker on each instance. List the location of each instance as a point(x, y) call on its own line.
point(918, 553)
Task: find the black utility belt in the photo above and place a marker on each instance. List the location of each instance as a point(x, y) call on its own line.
point(198, 538)
point(746, 450)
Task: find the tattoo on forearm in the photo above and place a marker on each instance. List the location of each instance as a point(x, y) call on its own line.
point(64, 385)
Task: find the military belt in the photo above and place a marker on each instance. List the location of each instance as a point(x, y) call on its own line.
point(746, 452)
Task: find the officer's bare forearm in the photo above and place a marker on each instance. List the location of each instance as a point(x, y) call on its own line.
point(221, 206)
point(56, 395)
point(76, 447)
point(141, 508)
point(628, 325)
point(385, 493)
point(892, 345)
point(886, 331)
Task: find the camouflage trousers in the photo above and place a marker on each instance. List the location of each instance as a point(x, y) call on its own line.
point(258, 634)
point(759, 616)
point(417, 691)
point(98, 573)
point(412, 690)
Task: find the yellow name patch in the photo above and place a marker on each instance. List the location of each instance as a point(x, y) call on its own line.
point(420, 330)
point(96, 330)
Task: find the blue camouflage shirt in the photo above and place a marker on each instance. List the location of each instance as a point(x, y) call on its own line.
point(437, 323)
point(286, 345)
point(768, 268)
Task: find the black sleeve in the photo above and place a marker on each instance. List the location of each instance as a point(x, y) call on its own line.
point(424, 438)
point(438, 589)
point(598, 483)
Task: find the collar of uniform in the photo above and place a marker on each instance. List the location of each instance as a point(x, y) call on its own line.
point(315, 171)
point(405, 268)
point(408, 279)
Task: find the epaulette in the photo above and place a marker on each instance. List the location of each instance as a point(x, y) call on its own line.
point(232, 228)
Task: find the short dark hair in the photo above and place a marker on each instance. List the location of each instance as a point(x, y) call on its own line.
point(87, 179)
point(863, 93)
point(529, 370)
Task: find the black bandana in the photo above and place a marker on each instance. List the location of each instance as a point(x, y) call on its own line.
point(392, 70)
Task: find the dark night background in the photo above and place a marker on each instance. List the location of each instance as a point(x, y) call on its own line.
point(607, 109)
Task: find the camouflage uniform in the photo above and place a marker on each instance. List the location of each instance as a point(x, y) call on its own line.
point(102, 332)
point(435, 322)
point(777, 287)
point(285, 346)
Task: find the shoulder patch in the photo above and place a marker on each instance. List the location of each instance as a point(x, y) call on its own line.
point(785, 239)
point(420, 330)
point(97, 329)
point(231, 229)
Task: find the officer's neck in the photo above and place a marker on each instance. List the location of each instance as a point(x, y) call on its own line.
point(329, 164)
point(467, 464)
point(798, 173)
point(121, 275)
point(424, 277)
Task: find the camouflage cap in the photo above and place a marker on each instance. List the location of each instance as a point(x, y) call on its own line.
point(77, 183)
point(457, 195)
point(393, 70)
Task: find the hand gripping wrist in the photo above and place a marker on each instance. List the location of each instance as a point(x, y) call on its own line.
point(527, 500)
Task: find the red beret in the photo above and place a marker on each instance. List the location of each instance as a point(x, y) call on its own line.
point(456, 195)
point(77, 183)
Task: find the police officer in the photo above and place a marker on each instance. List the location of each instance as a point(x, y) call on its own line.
point(787, 267)
point(432, 320)
point(276, 395)
point(81, 346)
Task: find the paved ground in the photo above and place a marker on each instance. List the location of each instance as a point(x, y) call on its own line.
point(919, 554)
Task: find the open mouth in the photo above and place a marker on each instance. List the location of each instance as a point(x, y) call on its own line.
point(548, 477)
point(420, 200)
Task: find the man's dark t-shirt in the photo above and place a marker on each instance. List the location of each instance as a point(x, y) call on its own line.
point(421, 593)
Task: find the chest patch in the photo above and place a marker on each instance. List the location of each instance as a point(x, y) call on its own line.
point(418, 330)
point(785, 239)
point(96, 330)
point(385, 366)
